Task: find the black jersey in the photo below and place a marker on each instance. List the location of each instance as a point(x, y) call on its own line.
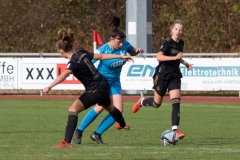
point(83, 69)
point(170, 69)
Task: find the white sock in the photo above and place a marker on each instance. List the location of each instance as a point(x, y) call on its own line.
point(141, 101)
point(174, 127)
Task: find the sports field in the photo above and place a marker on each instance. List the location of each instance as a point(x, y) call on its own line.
point(30, 127)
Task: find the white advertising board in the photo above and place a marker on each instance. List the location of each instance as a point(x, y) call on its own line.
point(37, 73)
point(202, 77)
point(8, 73)
point(229, 74)
point(138, 75)
point(208, 74)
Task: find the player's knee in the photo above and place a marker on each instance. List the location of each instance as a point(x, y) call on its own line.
point(109, 108)
point(175, 101)
point(120, 108)
point(155, 105)
point(98, 109)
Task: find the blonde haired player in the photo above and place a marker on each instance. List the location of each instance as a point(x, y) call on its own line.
point(168, 75)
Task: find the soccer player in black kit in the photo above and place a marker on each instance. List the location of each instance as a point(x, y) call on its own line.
point(168, 76)
point(97, 87)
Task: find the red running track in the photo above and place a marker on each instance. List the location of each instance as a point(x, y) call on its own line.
point(131, 98)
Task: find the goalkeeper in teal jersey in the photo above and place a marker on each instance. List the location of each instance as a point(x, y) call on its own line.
point(110, 70)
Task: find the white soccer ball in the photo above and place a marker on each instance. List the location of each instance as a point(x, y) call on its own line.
point(169, 137)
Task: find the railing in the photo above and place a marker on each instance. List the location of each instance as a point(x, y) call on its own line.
point(202, 55)
point(140, 55)
point(198, 54)
point(30, 55)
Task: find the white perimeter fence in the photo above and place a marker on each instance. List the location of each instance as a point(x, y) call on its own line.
point(215, 72)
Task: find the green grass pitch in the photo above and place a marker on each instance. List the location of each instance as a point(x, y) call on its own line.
point(30, 127)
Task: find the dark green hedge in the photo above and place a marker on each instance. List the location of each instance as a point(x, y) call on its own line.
point(31, 25)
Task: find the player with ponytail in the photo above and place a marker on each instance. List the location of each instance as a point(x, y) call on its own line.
point(97, 87)
point(111, 70)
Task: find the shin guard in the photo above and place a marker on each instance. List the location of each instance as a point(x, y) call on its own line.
point(71, 126)
point(175, 111)
point(117, 115)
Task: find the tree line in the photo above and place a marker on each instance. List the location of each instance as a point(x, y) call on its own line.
point(31, 25)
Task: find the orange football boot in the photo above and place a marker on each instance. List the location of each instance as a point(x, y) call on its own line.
point(179, 134)
point(137, 105)
point(63, 144)
point(118, 127)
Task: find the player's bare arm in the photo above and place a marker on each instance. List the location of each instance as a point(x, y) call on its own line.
point(162, 57)
point(111, 56)
point(58, 80)
point(136, 51)
point(188, 65)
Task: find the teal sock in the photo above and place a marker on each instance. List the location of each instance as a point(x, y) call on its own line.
point(107, 122)
point(88, 119)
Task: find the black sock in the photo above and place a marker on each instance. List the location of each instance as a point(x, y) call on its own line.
point(117, 115)
point(175, 111)
point(150, 102)
point(147, 101)
point(71, 126)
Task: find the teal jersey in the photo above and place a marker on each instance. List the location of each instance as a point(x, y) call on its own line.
point(111, 69)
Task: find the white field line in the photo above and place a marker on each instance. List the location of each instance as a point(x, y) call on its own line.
point(204, 151)
point(154, 150)
point(211, 105)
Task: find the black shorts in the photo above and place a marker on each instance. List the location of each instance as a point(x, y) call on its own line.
point(161, 86)
point(90, 98)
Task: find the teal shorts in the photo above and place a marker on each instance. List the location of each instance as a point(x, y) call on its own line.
point(115, 87)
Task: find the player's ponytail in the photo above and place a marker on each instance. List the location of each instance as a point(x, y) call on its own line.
point(65, 39)
point(116, 32)
point(115, 21)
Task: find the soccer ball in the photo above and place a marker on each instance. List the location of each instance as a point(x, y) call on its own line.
point(169, 137)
